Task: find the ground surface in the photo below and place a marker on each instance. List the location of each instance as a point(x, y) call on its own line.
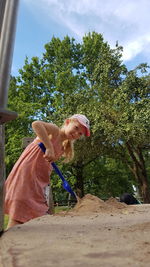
point(94, 233)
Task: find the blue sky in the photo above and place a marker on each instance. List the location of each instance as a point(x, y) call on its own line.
point(125, 21)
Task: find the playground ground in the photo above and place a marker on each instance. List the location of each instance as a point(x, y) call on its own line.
point(94, 233)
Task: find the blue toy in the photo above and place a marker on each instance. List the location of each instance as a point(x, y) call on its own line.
point(65, 184)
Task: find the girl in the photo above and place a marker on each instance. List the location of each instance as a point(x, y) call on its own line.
point(24, 198)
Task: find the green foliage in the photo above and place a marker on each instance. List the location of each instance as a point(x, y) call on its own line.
point(106, 177)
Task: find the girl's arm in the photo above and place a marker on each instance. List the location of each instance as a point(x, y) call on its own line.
point(45, 131)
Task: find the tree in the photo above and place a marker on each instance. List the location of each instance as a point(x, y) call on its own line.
point(135, 97)
point(124, 117)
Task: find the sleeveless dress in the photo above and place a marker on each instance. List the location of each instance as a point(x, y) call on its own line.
point(24, 188)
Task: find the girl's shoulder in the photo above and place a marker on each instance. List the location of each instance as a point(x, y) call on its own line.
point(52, 129)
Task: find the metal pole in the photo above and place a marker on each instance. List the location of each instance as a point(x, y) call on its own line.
point(6, 47)
point(2, 9)
point(8, 17)
point(2, 131)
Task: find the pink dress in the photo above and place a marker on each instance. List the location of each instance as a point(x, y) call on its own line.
point(24, 187)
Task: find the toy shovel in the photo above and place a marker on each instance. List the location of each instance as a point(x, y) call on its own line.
point(65, 184)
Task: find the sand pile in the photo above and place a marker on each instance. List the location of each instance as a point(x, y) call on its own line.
point(113, 202)
point(91, 204)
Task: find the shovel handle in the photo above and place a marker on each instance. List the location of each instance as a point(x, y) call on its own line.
point(41, 145)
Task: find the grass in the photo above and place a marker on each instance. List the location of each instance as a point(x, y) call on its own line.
point(5, 221)
point(61, 208)
point(57, 210)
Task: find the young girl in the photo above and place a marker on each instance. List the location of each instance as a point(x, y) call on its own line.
point(24, 187)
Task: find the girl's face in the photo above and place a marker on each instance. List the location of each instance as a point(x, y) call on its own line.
point(73, 129)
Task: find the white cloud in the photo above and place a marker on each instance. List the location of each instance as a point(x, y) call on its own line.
point(125, 21)
point(135, 47)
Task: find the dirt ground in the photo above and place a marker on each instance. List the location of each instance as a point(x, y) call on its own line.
point(94, 233)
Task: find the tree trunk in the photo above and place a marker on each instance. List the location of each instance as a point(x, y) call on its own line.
point(139, 171)
point(80, 180)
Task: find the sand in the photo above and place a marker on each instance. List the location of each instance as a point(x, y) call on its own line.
point(94, 233)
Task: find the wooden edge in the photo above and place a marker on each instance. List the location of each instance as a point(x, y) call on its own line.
point(7, 115)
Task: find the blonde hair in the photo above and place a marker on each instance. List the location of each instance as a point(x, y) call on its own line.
point(68, 145)
point(68, 150)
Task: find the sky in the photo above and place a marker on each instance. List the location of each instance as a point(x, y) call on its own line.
point(123, 21)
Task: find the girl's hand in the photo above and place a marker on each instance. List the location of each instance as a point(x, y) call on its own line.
point(49, 155)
